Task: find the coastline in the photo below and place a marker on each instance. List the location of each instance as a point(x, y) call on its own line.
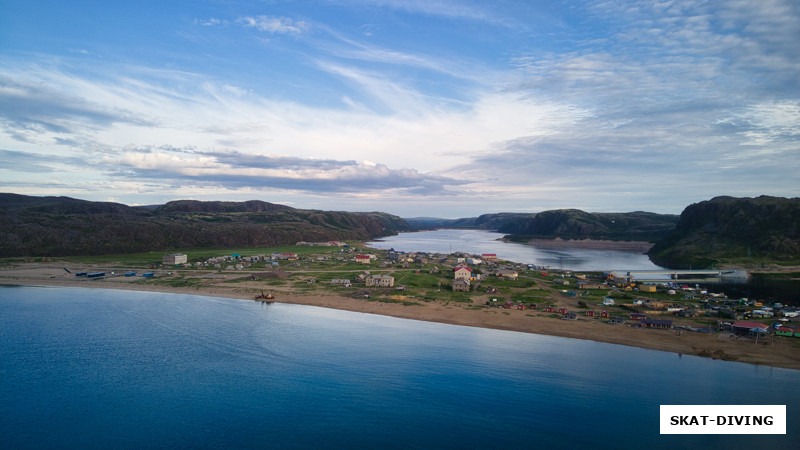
point(783, 353)
point(593, 244)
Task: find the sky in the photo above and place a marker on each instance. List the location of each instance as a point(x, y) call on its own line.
point(436, 108)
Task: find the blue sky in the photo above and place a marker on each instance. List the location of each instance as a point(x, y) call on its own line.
point(418, 108)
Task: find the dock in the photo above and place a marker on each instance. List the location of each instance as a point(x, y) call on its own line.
point(655, 276)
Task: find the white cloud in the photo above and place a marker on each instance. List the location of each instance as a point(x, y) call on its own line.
point(274, 25)
point(210, 22)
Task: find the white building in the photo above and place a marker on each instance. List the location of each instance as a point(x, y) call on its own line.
point(380, 281)
point(174, 259)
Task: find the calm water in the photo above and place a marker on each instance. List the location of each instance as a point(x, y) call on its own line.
point(480, 241)
point(82, 368)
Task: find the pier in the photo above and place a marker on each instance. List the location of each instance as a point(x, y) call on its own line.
point(667, 275)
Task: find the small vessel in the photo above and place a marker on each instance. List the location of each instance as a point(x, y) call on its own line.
point(262, 296)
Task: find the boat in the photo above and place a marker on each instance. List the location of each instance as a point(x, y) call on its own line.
point(262, 296)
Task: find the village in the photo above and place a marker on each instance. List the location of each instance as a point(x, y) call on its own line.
point(474, 282)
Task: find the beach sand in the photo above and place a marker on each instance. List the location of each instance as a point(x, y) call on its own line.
point(778, 351)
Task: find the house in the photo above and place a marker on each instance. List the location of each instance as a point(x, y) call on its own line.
point(585, 285)
point(749, 328)
point(380, 281)
point(549, 308)
point(341, 282)
point(647, 288)
point(604, 314)
point(784, 331)
point(174, 259)
point(462, 273)
point(656, 323)
point(285, 256)
point(461, 285)
point(638, 316)
point(489, 257)
point(562, 310)
point(790, 312)
point(507, 273)
point(590, 313)
point(363, 259)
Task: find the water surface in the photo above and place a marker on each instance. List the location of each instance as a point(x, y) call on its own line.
point(477, 242)
point(83, 368)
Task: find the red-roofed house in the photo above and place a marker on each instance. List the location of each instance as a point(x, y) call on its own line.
point(784, 331)
point(363, 259)
point(749, 328)
point(462, 273)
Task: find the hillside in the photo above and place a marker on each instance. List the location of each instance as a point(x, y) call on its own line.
point(63, 226)
point(566, 224)
point(726, 229)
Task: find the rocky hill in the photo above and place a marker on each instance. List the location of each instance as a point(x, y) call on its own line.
point(726, 229)
point(566, 224)
point(63, 226)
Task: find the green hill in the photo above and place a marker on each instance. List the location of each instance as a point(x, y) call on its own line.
point(63, 226)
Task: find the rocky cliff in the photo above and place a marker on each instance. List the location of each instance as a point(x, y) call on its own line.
point(726, 229)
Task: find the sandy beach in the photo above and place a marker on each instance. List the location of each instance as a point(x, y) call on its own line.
point(777, 351)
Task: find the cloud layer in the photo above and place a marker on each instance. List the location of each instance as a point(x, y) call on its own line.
point(604, 106)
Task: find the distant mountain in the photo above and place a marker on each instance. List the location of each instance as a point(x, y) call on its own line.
point(577, 224)
point(64, 226)
point(727, 229)
point(565, 224)
point(428, 223)
point(195, 206)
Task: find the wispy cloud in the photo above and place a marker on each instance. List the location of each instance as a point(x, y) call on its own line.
point(274, 25)
point(453, 9)
point(210, 22)
point(235, 169)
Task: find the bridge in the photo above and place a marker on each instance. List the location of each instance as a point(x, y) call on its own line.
point(661, 275)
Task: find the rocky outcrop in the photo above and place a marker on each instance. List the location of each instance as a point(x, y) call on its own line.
point(729, 229)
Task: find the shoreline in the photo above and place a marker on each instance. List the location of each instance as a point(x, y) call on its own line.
point(784, 353)
point(592, 244)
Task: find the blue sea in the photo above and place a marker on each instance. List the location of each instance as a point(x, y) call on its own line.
point(93, 368)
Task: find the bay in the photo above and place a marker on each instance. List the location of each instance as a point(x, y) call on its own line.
point(92, 368)
point(477, 242)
